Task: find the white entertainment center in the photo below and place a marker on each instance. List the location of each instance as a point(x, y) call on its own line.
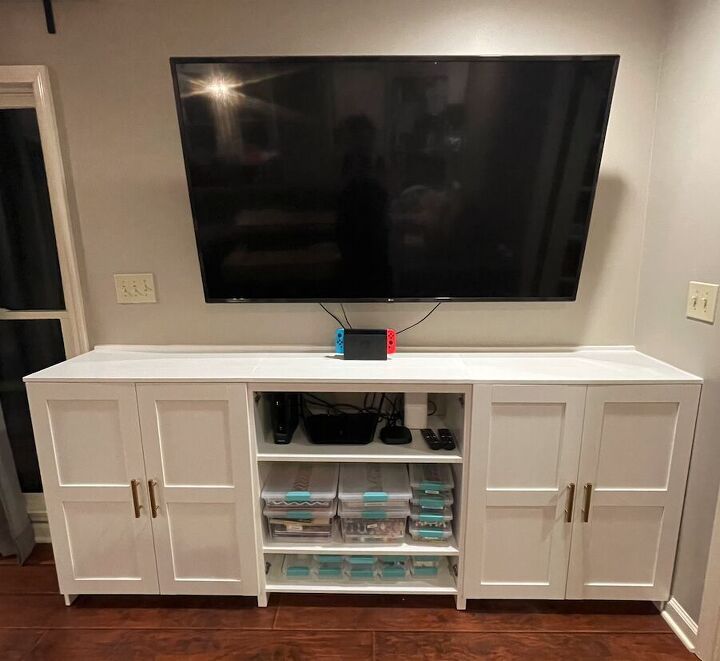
point(569, 471)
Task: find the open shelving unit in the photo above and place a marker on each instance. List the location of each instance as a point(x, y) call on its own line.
point(338, 547)
point(452, 413)
point(301, 449)
point(443, 583)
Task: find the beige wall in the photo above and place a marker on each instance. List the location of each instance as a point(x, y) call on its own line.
point(109, 63)
point(682, 243)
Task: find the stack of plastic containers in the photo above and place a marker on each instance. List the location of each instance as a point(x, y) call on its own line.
point(374, 502)
point(424, 566)
point(300, 501)
point(432, 498)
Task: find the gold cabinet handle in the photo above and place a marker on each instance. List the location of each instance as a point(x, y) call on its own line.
point(154, 507)
point(134, 484)
point(586, 507)
point(570, 502)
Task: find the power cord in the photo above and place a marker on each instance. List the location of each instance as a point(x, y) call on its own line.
point(332, 315)
point(417, 323)
point(347, 323)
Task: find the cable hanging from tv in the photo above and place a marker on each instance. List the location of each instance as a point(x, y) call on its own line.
point(349, 325)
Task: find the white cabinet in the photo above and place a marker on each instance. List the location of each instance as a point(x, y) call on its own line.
point(155, 499)
point(564, 488)
point(90, 454)
point(577, 491)
point(633, 467)
point(524, 455)
point(195, 439)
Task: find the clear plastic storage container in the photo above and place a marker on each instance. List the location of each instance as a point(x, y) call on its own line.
point(425, 566)
point(426, 560)
point(298, 566)
point(431, 518)
point(438, 501)
point(373, 525)
point(301, 486)
point(393, 572)
point(374, 486)
point(304, 525)
point(431, 479)
point(420, 534)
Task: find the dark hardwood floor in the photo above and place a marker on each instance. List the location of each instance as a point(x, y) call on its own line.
point(35, 624)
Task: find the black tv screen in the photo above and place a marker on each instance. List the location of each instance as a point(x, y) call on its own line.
point(392, 178)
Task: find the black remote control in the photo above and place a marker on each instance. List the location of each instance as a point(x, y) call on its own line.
point(433, 441)
point(447, 439)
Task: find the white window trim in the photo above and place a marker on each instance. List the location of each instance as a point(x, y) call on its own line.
point(29, 86)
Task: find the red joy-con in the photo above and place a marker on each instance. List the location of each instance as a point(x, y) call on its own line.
point(391, 341)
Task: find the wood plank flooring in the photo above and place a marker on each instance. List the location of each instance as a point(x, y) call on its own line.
point(35, 624)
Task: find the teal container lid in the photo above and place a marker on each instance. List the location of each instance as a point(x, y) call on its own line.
point(361, 559)
point(362, 573)
point(425, 571)
point(431, 534)
point(374, 514)
point(298, 571)
point(432, 503)
point(393, 572)
point(375, 497)
point(297, 496)
point(432, 486)
point(328, 559)
point(329, 572)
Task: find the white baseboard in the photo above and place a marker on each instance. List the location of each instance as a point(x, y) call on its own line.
point(37, 512)
point(683, 626)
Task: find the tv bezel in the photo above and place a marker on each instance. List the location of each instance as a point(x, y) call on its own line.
point(615, 59)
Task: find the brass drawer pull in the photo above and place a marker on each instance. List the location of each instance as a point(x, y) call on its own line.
point(586, 508)
point(570, 503)
point(154, 507)
point(134, 484)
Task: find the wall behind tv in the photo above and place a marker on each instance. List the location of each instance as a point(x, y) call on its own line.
point(111, 78)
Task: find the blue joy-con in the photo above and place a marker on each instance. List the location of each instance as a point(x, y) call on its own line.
point(340, 341)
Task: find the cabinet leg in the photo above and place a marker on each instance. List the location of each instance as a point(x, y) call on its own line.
point(460, 603)
point(69, 598)
point(262, 600)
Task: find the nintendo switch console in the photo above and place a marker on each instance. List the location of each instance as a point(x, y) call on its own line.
point(365, 343)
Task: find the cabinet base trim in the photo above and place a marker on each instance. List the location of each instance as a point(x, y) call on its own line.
point(683, 626)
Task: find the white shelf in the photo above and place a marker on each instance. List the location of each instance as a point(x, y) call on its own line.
point(339, 547)
point(301, 449)
point(443, 583)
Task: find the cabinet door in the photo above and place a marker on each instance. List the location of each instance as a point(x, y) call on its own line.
point(633, 467)
point(525, 446)
point(88, 440)
point(196, 444)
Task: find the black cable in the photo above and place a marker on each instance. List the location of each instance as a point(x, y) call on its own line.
point(419, 322)
point(434, 405)
point(331, 314)
point(342, 307)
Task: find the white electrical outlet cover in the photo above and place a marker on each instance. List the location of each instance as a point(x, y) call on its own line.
point(135, 288)
point(702, 301)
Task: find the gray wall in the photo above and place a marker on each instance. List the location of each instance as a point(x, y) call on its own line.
point(111, 78)
point(682, 243)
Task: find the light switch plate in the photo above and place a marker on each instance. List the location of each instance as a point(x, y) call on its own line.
point(135, 288)
point(701, 301)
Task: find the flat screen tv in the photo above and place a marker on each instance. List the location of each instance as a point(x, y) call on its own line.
point(392, 178)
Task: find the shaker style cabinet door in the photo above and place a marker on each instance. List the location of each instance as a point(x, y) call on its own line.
point(197, 456)
point(633, 467)
point(524, 453)
point(91, 461)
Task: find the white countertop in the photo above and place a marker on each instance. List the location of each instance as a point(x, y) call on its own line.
point(595, 366)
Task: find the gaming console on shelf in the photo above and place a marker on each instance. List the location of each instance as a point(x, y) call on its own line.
point(365, 343)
